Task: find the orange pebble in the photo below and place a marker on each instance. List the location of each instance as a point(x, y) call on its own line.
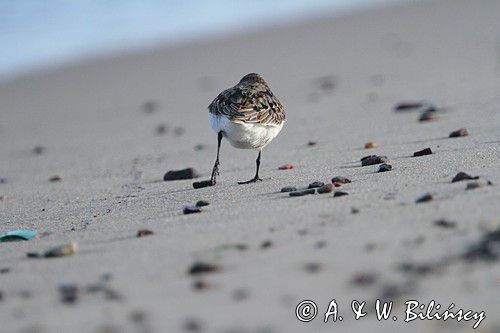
point(370, 145)
point(286, 167)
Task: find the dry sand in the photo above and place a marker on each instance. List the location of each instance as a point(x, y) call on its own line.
point(89, 119)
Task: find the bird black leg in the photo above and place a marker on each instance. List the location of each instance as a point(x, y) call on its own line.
point(215, 170)
point(256, 178)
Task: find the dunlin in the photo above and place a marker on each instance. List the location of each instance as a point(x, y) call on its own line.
point(248, 115)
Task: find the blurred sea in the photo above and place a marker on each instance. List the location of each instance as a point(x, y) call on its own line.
point(40, 34)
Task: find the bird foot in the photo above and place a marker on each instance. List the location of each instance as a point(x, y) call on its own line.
point(253, 180)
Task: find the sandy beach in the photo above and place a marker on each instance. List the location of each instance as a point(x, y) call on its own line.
point(111, 128)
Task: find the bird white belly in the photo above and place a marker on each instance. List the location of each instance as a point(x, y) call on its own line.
point(244, 135)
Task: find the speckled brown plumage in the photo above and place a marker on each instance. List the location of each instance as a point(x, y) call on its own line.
point(250, 101)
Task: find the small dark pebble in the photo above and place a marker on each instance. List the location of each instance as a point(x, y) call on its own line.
point(191, 210)
point(426, 151)
point(340, 193)
point(408, 106)
point(162, 129)
point(463, 176)
point(202, 184)
point(33, 255)
point(240, 294)
point(4, 270)
point(39, 150)
point(266, 244)
point(112, 294)
point(364, 279)
point(312, 143)
point(384, 167)
point(341, 180)
point(3, 180)
point(201, 285)
point(473, 185)
point(425, 198)
point(316, 184)
point(188, 173)
point(199, 147)
point(445, 224)
point(202, 203)
point(373, 159)
point(144, 232)
point(192, 325)
point(313, 267)
point(55, 179)
point(354, 210)
point(138, 316)
point(203, 267)
point(459, 133)
point(486, 249)
point(320, 244)
point(327, 188)
point(428, 116)
point(288, 189)
point(392, 292)
point(150, 106)
point(68, 293)
point(302, 192)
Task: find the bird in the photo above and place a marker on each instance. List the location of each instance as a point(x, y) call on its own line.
point(249, 116)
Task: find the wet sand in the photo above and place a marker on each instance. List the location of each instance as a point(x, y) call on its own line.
point(376, 242)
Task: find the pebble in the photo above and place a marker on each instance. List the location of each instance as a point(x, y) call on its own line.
point(201, 267)
point(3, 180)
point(445, 224)
point(340, 193)
point(423, 152)
point(162, 129)
point(341, 180)
point(486, 249)
point(425, 198)
point(370, 145)
point(474, 185)
point(4, 270)
point(144, 232)
point(240, 294)
point(138, 316)
point(428, 116)
point(302, 192)
point(150, 106)
point(191, 210)
point(201, 285)
point(192, 325)
point(199, 147)
point(327, 188)
point(286, 167)
point(266, 244)
point(312, 143)
point(288, 189)
point(337, 184)
point(459, 133)
point(313, 267)
point(188, 173)
point(202, 184)
point(463, 176)
point(373, 159)
point(354, 210)
point(55, 179)
point(316, 184)
point(68, 293)
point(61, 251)
point(409, 106)
point(39, 150)
point(202, 203)
point(384, 167)
point(320, 244)
point(364, 279)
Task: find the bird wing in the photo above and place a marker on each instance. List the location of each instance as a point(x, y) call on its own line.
point(245, 106)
